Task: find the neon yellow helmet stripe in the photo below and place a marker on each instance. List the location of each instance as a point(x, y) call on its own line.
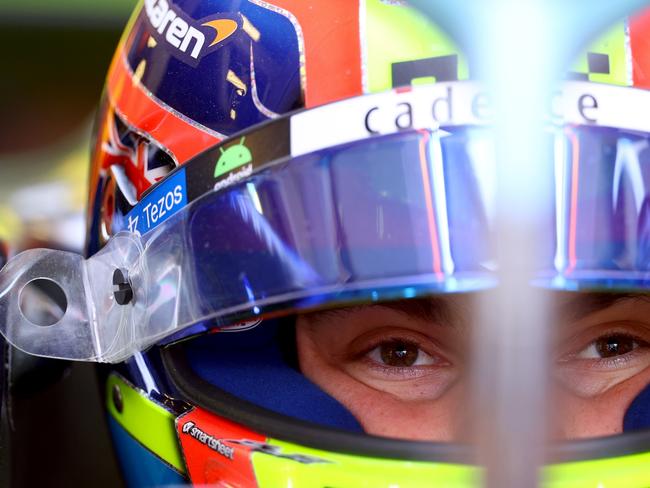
point(348, 470)
point(323, 467)
point(148, 422)
point(394, 34)
point(608, 53)
point(626, 471)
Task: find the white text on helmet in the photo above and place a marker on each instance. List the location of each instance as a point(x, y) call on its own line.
point(177, 32)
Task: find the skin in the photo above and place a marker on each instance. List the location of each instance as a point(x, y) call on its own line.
point(401, 368)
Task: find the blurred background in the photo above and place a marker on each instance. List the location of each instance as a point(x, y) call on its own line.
point(54, 57)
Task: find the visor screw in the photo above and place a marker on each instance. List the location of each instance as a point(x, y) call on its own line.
point(117, 399)
point(122, 291)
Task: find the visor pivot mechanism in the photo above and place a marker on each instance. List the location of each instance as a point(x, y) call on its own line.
point(122, 291)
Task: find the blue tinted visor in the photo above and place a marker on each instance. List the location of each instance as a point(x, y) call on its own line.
point(601, 238)
point(395, 215)
point(411, 213)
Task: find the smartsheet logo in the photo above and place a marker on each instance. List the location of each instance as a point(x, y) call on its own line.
point(217, 445)
point(188, 39)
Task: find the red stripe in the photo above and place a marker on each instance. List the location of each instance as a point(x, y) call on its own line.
point(640, 44)
point(216, 450)
point(332, 47)
point(179, 136)
point(428, 197)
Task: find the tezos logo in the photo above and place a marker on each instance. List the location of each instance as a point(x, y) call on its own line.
point(185, 37)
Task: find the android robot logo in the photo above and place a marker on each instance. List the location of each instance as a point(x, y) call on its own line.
point(232, 158)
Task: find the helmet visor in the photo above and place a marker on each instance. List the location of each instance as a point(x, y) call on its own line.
point(383, 217)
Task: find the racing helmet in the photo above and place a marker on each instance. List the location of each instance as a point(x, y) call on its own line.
point(261, 168)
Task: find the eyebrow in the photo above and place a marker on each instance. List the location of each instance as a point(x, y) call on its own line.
point(445, 311)
point(437, 310)
point(584, 304)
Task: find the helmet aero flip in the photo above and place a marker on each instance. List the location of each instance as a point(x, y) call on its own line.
point(291, 220)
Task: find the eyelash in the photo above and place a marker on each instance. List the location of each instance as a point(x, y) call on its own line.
point(399, 377)
point(617, 361)
point(433, 358)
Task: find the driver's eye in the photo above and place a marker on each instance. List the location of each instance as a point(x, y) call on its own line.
point(610, 346)
point(400, 354)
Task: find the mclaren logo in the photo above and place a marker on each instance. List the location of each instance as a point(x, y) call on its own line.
point(188, 39)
